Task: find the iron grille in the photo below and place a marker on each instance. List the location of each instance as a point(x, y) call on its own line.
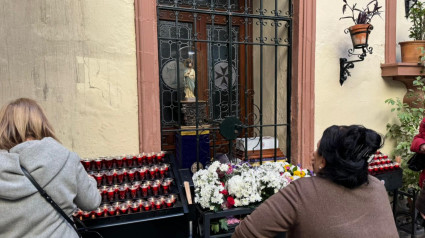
point(237, 53)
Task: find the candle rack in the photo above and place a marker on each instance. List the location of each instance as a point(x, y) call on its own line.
point(179, 208)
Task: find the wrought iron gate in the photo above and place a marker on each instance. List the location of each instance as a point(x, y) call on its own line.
point(235, 57)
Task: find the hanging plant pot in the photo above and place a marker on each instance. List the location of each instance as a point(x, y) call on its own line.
point(411, 51)
point(360, 34)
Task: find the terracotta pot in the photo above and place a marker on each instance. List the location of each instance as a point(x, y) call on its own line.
point(411, 51)
point(359, 34)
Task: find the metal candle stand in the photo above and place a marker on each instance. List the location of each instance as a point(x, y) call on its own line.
point(178, 210)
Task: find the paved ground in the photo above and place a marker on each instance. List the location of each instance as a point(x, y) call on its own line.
point(403, 234)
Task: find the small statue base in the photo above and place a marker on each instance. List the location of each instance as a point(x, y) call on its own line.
point(188, 109)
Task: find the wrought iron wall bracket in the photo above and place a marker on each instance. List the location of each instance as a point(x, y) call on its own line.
point(345, 65)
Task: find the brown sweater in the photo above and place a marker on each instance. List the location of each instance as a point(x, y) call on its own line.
point(317, 207)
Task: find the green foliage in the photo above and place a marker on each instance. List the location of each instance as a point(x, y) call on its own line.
point(403, 132)
point(215, 227)
point(417, 17)
point(223, 224)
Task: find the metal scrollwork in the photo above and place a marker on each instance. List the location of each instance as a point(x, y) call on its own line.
point(344, 64)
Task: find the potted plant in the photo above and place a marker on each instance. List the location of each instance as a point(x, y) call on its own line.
point(361, 18)
point(411, 50)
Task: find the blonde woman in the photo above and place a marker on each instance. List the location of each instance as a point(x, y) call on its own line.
point(27, 139)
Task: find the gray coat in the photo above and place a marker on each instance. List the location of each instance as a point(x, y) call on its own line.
point(24, 212)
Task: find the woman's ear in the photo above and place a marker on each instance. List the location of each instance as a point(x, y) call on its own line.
point(322, 163)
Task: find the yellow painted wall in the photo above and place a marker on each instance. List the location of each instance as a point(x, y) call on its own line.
point(361, 99)
point(77, 58)
point(268, 74)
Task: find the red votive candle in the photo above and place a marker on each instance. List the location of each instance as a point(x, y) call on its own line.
point(116, 206)
point(155, 187)
point(111, 194)
point(124, 160)
point(153, 157)
point(396, 165)
point(131, 174)
point(99, 177)
point(119, 161)
point(105, 207)
point(135, 207)
point(146, 205)
point(86, 164)
point(159, 157)
point(149, 158)
point(120, 175)
point(123, 208)
point(169, 181)
point(152, 172)
point(109, 162)
point(133, 191)
point(166, 166)
point(162, 171)
point(151, 200)
point(111, 211)
point(137, 184)
point(86, 214)
point(122, 192)
point(129, 160)
point(99, 212)
point(158, 204)
point(173, 197)
point(98, 163)
point(165, 187)
point(169, 202)
point(145, 188)
point(139, 160)
point(142, 173)
point(110, 177)
point(375, 168)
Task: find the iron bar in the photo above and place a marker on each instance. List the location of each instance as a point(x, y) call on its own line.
point(224, 42)
point(195, 37)
point(223, 13)
point(229, 68)
point(289, 87)
point(246, 82)
point(275, 81)
point(261, 81)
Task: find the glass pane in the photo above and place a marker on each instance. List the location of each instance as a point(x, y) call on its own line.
point(219, 73)
point(171, 81)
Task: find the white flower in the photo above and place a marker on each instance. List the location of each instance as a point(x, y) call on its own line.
point(224, 167)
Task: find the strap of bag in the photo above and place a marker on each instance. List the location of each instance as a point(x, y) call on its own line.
point(50, 200)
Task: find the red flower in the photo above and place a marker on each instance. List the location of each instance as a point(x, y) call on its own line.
point(230, 202)
point(222, 183)
point(224, 192)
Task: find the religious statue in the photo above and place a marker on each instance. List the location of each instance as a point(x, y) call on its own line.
point(189, 80)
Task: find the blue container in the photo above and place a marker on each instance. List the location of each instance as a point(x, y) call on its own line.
point(186, 149)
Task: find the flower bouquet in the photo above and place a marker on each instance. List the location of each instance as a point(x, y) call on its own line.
point(224, 186)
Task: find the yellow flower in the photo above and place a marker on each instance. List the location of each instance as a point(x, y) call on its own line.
point(297, 173)
point(292, 178)
point(302, 173)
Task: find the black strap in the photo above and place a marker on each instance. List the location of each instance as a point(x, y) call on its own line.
point(51, 202)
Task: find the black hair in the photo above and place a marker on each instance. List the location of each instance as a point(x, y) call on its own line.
point(346, 150)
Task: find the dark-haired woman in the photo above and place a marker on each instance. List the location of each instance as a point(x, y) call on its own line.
point(341, 201)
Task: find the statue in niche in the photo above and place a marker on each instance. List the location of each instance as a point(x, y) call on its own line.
point(189, 80)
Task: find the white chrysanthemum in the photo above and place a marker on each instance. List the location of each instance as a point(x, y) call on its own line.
point(224, 167)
